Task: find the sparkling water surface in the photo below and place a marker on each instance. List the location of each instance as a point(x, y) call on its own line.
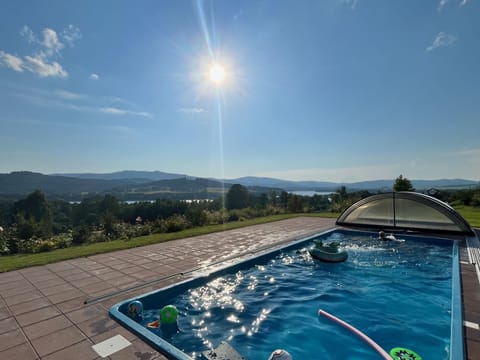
point(397, 293)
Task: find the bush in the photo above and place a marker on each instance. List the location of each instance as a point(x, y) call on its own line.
point(176, 223)
point(45, 245)
point(80, 235)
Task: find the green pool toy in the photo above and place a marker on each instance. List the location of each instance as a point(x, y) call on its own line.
point(168, 314)
point(400, 353)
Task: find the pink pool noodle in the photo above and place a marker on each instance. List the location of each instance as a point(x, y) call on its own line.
point(357, 332)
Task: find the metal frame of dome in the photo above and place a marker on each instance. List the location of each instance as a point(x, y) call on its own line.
point(429, 201)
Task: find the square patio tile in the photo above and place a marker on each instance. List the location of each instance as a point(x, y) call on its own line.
point(4, 313)
point(58, 340)
point(18, 299)
point(19, 352)
point(83, 350)
point(98, 325)
point(86, 312)
point(71, 305)
point(28, 306)
point(11, 339)
point(37, 315)
point(7, 325)
point(46, 327)
point(65, 296)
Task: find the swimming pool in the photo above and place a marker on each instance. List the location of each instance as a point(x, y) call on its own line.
point(398, 293)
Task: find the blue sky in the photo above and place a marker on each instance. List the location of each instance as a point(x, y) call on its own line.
point(331, 90)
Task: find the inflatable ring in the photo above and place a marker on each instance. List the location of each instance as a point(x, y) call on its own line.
point(135, 309)
point(400, 353)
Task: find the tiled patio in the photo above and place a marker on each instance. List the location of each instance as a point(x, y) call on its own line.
point(42, 309)
point(43, 314)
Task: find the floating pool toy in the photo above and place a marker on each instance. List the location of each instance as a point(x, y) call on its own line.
point(168, 314)
point(135, 308)
point(357, 332)
point(327, 253)
point(400, 353)
point(280, 354)
point(154, 324)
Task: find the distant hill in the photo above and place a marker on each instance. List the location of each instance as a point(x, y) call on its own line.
point(21, 183)
point(285, 184)
point(372, 185)
point(132, 175)
point(137, 185)
point(24, 182)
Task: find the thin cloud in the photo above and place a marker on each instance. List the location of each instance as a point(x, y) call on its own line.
point(118, 111)
point(94, 76)
point(28, 34)
point(442, 39)
point(11, 61)
point(51, 43)
point(191, 110)
point(68, 95)
point(71, 34)
point(39, 65)
point(49, 47)
point(77, 102)
point(352, 4)
point(442, 4)
point(464, 2)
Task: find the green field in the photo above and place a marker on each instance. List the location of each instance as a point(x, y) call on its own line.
point(470, 213)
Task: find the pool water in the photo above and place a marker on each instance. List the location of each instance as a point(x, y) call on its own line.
point(397, 293)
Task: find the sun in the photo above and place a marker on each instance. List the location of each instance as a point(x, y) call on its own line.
point(217, 74)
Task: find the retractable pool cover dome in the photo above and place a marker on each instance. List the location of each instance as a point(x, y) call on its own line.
point(406, 211)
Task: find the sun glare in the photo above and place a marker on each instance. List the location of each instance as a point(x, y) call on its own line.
point(216, 74)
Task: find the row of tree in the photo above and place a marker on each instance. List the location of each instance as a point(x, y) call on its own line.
point(36, 224)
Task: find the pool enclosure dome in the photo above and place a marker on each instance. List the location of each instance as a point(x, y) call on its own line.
point(405, 211)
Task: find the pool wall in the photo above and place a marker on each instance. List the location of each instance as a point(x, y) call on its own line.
point(150, 300)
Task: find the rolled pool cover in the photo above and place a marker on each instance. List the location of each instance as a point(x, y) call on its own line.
point(357, 332)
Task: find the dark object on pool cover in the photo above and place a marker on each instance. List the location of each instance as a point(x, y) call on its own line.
point(223, 352)
point(327, 253)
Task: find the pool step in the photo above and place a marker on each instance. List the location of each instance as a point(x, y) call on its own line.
point(223, 352)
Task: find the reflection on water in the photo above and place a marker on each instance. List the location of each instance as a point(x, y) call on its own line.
point(397, 293)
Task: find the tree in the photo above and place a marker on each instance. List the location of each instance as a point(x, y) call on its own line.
point(237, 197)
point(402, 184)
point(34, 216)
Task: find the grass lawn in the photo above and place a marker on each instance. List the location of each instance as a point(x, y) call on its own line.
point(470, 213)
point(13, 262)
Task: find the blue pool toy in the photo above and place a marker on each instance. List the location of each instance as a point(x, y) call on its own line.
point(135, 309)
point(168, 315)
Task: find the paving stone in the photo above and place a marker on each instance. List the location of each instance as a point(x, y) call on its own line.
point(58, 340)
point(46, 327)
point(11, 339)
point(85, 313)
point(8, 324)
point(66, 295)
point(82, 350)
point(37, 315)
point(97, 326)
point(20, 352)
point(28, 306)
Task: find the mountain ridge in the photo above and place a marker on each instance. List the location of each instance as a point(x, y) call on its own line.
point(147, 185)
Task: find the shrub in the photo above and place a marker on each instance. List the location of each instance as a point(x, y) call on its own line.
point(176, 223)
point(80, 235)
point(45, 245)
